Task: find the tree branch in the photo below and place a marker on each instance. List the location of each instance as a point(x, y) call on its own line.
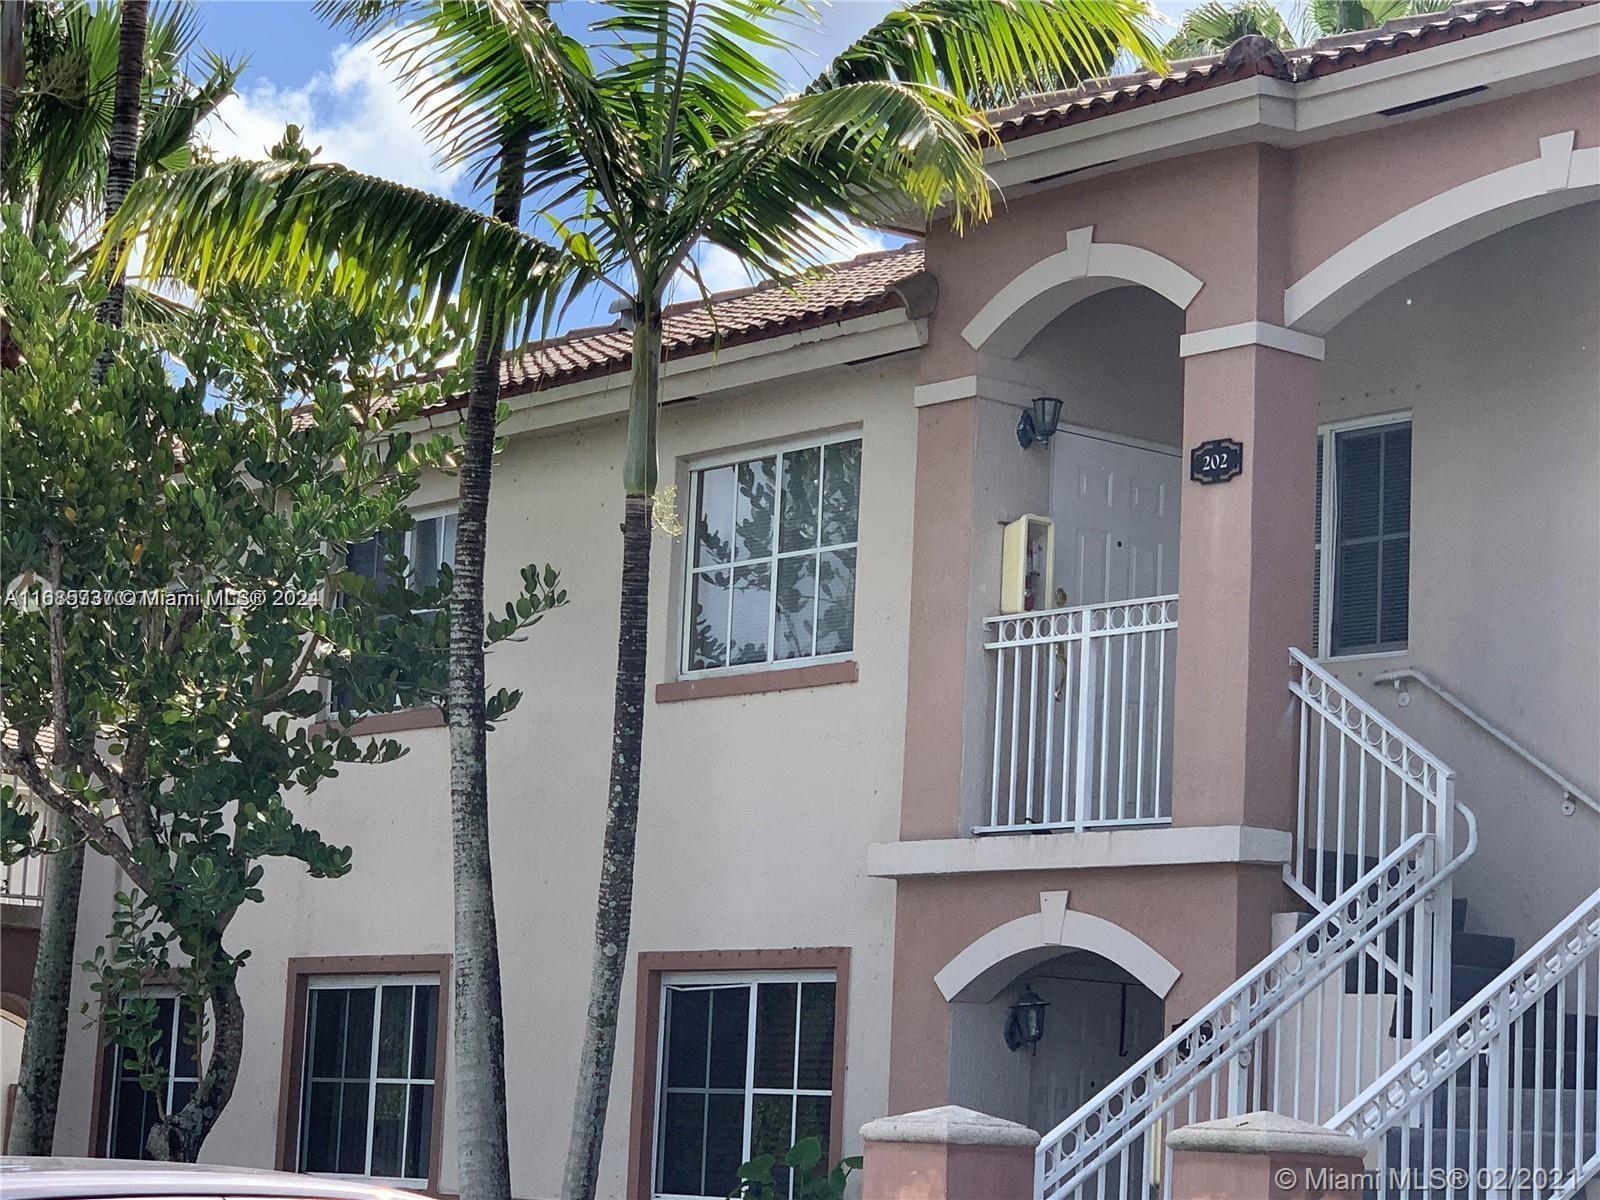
point(88, 822)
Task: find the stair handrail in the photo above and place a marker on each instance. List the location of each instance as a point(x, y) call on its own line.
point(1479, 1037)
point(1380, 741)
point(1207, 1041)
point(1569, 789)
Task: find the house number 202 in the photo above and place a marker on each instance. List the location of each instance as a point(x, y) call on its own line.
point(1216, 461)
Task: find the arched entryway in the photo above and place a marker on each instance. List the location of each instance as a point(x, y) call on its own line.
point(1104, 988)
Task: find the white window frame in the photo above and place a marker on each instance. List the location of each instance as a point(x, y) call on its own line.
point(173, 1033)
point(1328, 550)
point(407, 547)
point(723, 979)
point(710, 462)
point(377, 983)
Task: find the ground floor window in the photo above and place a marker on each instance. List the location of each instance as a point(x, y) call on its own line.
point(746, 1068)
point(132, 1110)
point(369, 1087)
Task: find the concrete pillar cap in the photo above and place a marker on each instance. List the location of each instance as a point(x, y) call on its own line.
point(1264, 1133)
point(950, 1125)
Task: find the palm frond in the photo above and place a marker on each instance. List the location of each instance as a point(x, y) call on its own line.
point(1212, 27)
point(165, 141)
point(783, 194)
point(1345, 16)
point(322, 227)
point(990, 52)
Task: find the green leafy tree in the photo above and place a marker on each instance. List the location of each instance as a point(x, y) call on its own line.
point(179, 606)
point(656, 129)
point(91, 97)
point(1212, 27)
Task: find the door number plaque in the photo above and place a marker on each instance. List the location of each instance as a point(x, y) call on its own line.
point(1216, 461)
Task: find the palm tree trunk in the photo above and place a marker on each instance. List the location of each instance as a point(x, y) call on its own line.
point(12, 20)
point(482, 1149)
point(124, 149)
point(614, 912)
point(44, 1039)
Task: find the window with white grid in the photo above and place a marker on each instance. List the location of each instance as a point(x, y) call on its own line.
point(746, 1069)
point(135, 1109)
point(772, 559)
point(369, 1092)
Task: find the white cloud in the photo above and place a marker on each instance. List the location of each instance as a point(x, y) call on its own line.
point(355, 110)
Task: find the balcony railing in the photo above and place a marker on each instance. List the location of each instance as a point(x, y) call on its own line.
point(23, 881)
point(1083, 716)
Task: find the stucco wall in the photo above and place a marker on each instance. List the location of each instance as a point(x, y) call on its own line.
point(756, 810)
point(1496, 353)
point(1113, 360)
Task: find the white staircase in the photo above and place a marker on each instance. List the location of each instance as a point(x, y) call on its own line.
point(1351, 1023)
point(1502, 1098)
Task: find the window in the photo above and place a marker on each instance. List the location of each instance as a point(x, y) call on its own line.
point(428, 544)
point(772, 572)
point(746, 1069)
point(368, 1081)
point(131, 1110)
point(1362, 601)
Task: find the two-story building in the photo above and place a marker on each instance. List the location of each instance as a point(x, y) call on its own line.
point(1311, 589)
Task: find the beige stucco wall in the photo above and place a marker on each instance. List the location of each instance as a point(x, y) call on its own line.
point(756, 810)
point(1496, 353)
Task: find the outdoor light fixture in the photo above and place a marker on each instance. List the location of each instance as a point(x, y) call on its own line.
point(1038, 424)
point(1025, 1018)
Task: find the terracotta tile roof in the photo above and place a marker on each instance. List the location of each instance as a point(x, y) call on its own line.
point(1325, 56)
point(838, 292)
point(859, 287)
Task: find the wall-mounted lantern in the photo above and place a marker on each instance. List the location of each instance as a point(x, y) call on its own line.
point(1025, 1021)
point(1039, 423)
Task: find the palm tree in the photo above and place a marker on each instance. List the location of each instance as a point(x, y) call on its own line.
point(57, 165)
point(45, 1037)
point(674, 135)
point(483, 1151)
point(58, 77)
point(1212, 27)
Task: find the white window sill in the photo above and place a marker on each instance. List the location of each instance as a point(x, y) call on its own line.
point(1333, 660)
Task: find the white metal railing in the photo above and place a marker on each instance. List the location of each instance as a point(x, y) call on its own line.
point(1082, 716)
point(1363, 786)
point(1569, 790)
point(23, 881)
point(1502, 1099)
point(1239, 1054)
point(1342, 1001)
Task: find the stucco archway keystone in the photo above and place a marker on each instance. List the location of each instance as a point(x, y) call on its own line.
point(1558, 178)
point(978, 973)
point(1016, 313)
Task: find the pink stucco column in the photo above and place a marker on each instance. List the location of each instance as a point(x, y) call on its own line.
point(1244, 586)
point(1264, 1156)
point(948, 1153)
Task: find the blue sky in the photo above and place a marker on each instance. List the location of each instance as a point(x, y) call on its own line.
point(350, 105)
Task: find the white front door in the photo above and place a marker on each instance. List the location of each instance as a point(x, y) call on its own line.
point(1094, 1031)
point(1116, 512)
